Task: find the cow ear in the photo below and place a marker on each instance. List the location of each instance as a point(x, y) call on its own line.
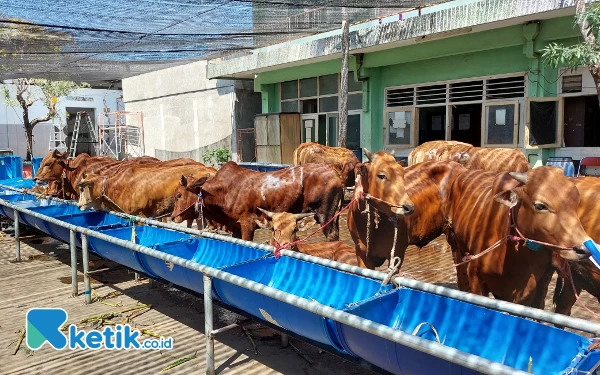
point(56, 154)
point(199, 182)
point(263, 223)
point(183, 181)
point(504, 185)
point(84, 175)
point(306, 223)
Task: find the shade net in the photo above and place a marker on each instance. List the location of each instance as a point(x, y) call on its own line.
point(98, 40)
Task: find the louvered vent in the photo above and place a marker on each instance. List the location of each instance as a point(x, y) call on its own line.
point(505, 88)
point(572, 84)
point(466, 91)
point(431, 94)
point(400, 97)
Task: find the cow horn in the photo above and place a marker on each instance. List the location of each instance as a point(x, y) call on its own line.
point(368, 154)
point(302, 216)
point(393, 152)
point(268, 213)
point(519, 176)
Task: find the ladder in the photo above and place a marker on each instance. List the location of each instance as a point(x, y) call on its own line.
point(57, 138)
point(75, 137)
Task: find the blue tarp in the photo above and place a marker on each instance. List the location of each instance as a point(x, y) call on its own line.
point(11, 167)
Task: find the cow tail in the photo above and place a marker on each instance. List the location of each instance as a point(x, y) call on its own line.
point(560, 283)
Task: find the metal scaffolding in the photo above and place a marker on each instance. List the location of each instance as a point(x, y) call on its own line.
point(121, 134)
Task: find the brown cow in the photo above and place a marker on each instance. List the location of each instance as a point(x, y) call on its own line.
point(342, 160)
point(585, 275)
point(55, 164)
point(145, 190)
point(382, 180)
point(284, 227)
point(437, 150)
point(493, 159)
point(543, 205)
point(187, 205)
point(427, 185)
point(232, 196)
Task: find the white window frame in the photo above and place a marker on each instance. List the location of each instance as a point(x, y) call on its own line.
point(517, 116)
point(315, 132)
point(449, 103)
point(560, 126)
point(413, 130)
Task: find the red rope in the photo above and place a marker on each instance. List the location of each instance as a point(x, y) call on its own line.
point(566, 270)
point(294, 243)
point(187, 208)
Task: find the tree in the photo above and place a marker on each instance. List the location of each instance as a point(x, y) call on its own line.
point(29, 91)
point(586, 53)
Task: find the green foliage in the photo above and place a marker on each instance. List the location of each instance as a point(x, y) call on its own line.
point(216, 156)
point(582, 54)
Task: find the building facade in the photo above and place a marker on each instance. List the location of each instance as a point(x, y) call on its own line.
point(464, 70)
point(96, 102)
point(185, 114)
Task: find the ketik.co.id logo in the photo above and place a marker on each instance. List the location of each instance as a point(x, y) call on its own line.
point(44, 325)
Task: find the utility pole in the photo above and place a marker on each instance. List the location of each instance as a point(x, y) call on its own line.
point(343, 100)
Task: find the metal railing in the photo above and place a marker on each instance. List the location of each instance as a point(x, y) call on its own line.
point(430, 347)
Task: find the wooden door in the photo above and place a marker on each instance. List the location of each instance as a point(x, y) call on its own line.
point(574, 111)
point(289, 135)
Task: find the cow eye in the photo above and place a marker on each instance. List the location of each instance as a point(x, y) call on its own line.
point(381, 176)
point(540, 206)
point(178, 196)
point(48, 164)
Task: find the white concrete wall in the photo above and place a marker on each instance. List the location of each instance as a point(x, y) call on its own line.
point(182, 110)
point(12, 133)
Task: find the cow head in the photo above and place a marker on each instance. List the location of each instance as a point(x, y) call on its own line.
point(383, 178)
point(186, 195)
point(91, 188)
point(545, 208)
point(285, 225)
point(51, 167)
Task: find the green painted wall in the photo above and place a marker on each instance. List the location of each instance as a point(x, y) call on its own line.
point(499, 51)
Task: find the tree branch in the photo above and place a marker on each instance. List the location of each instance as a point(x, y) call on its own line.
point(36, 121)
point(584, 26)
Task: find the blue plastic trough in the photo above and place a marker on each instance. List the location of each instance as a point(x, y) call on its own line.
point(489, 334)
point(144, 235)
point(303, 279)
point(205, 251)
point(87, 219)
point(22, 200)
point(54, 211)
point(18, 183)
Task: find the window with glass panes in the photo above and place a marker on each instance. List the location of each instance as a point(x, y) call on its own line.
point(318, 94)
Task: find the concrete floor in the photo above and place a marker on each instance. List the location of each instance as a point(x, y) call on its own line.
point(43, 280)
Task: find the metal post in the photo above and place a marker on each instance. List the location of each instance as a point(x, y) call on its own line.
point(73, 246)
point(136, 277)
point(343, 101)
point(17, 237)
point(86, 265)
point(208, 325)
point(285, 340)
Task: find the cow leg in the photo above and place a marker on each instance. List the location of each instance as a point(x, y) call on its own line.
point(476, 285)
point(331, 231)
point(190, 222)
point(539, 300)
point(565, 298)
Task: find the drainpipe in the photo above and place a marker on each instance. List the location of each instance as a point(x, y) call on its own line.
point(535, 87)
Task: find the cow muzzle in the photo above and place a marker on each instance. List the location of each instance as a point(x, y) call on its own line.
point(576, 254)
point(404, 210)
point(177, 219)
